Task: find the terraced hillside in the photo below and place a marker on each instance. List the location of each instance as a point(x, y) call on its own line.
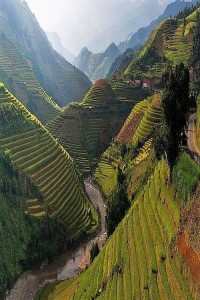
point(107, 170)
point(126, 133)
point(67, 129)
point(61, 80)
point(150, 120)
point(100, 94)
point(125, 91)
point(19, 78)
point(137, 262)
point(34, 152)
point(86, 129)
point(170, 42)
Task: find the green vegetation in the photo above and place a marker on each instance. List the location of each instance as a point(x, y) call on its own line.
point(107, 170)
point(185, 176)
point(137, 261)
point(86, 130)
point(61, 80)
point(94, 252)
point(117, 206)
point(175, 109)
point(132, 122)
point(151, 119)
point(20, 79)
point(35, 153)
point(170, 42)
point(25, 241)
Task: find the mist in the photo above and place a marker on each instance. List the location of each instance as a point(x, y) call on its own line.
point(94, 23)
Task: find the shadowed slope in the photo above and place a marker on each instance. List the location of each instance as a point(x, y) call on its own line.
point(34, 152)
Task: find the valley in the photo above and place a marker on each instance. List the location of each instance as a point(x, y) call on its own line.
point(100, 182)
point(68, 264)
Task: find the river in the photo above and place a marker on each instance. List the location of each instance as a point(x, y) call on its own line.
point(66, 265)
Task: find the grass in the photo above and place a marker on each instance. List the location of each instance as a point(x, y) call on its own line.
point(186, 175)
point(33, 151)
point(136, 261)
point(171, 42)
point(20, 79)
point(151, 119)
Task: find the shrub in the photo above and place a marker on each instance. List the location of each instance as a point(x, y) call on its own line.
point(185, 175)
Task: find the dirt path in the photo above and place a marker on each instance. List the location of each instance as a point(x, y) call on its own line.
point(68, 264)
point(191, 139)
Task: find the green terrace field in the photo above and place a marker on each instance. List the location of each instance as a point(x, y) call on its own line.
point(85, 130)
point(107, 170)
point(126, 133)
point(66, 128)
point(100, 94)
point(150, 120)
point(137, 262)
point(170, 42)
point(18, 76)
point(34, 152)
point(126, 92)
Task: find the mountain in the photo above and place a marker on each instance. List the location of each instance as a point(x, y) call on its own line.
point(146, 256)
point(92, 65)
point(43, 203)
point(122, 61)
point(59, 79)
point(55, 40)
point(86, 129)
point(96, 66)
point(171, 42)
point(153, 250)
point(140, 36)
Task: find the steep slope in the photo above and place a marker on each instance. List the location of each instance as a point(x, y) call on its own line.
point(60, 79)
point(97, 65)
point(138, 261)
point(140, 37)
point(33, 152)
point(122, 62)
point(19, 77)
point(126, 133)
point(54, 38)
point(170, 42)
point(137, 130)
point(86, 129)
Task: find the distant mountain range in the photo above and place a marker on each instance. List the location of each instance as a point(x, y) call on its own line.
point(98, 65)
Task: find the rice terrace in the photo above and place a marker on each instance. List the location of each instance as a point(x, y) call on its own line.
point(100, 150)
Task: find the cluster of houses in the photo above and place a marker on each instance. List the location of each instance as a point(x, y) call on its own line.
point(144, 83)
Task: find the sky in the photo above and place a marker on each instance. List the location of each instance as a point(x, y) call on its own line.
point(89, 23)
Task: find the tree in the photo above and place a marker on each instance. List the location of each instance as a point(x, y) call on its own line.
point(175, 110)
point(117, 206)
point(94, 251)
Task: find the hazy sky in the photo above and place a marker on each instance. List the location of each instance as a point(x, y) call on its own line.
point(76, 21)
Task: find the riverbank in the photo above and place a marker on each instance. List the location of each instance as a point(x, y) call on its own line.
point(66, 265)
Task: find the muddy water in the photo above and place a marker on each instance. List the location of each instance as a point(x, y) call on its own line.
point(67, 265)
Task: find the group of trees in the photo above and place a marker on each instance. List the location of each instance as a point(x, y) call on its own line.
point(176, 104)
point(117, 204)
point(187, 11)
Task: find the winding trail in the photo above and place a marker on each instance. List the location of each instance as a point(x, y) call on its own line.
point(191, 139)
point(68, 264)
